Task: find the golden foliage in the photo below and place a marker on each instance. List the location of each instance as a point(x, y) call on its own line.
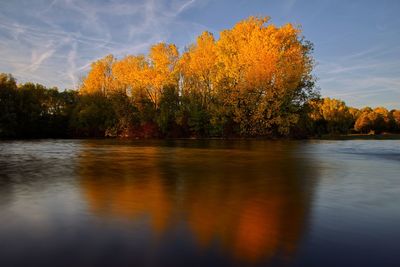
point(198, 66)
point(256, 73)
point(99, 79)
point(261, 68)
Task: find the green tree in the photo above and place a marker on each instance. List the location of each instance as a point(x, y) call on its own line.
point(126, 115)
point(169, 108)
point(93, 116)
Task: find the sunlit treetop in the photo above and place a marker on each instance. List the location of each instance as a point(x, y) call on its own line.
point(256, 72)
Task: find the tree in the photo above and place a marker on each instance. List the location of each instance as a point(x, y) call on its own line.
point(337, 116)
point(369, 121)
point(163, 58)
point(396, 119)
point(384, 122)
point(100, 79)
point(127, 116)
point(264, 75)
point(31, 110)
point(93, 116)
point(198, 67)
point(130, 73)
point(169, 108)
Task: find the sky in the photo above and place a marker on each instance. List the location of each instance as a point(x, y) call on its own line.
point(53, 42)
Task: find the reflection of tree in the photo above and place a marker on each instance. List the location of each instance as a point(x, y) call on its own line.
point(120, 187)
point(253, 203)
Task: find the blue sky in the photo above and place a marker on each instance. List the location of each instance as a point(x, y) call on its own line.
point(357, 42)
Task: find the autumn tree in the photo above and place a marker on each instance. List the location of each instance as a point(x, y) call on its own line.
point(130, 73)
point(198, 67)
point(99, 79)
point(264, 75)
point(253, 80)
point(163, 58)
point(386, 120)
point(337, 115)
point(328, 116)
point(367, 121)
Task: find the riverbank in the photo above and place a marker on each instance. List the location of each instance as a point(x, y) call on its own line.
point(385, 136)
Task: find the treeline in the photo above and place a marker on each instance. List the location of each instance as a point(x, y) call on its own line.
point(326, 116)
point(34, 111)
point(255, 80)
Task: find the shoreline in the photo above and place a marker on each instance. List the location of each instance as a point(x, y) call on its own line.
point(385, 136)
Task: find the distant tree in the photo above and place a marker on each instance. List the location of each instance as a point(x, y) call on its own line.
point(369, 121)
point(354, 113)
point(363, 123)
point(329, 116)
point(384, 122)
point(396, 119)
point(337, 115)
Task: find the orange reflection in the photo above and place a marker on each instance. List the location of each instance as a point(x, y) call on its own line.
point(222, 203)
point(111, 191)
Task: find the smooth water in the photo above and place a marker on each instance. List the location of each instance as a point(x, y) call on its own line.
point(199, 203)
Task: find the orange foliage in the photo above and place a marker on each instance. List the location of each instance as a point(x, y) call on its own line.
point(255, 72)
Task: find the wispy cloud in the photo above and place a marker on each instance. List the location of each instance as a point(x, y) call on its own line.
point(184, 6)
point(54, 42)
point(72, 64)
point(362, 77)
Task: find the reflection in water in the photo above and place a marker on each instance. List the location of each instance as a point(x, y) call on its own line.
point(248, 200)
point(199, 203)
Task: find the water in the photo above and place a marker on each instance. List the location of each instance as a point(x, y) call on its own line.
point(199, 203)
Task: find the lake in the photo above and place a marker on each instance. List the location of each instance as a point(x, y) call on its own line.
point(199, 203)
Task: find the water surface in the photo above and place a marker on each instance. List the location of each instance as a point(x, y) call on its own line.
point(199, 203)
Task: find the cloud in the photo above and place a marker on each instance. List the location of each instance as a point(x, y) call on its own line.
point(54, 42)
point(38, 57)
point(72, 64)
point(363, 77)
point(184, 6)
